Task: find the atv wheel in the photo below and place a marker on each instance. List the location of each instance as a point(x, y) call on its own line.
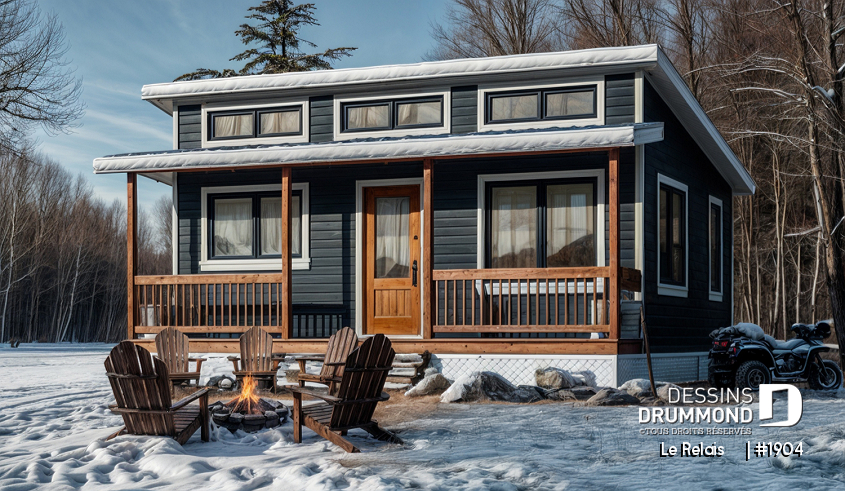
point(828, 378)
point(751, 374)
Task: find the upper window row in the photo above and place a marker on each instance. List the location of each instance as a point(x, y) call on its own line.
point(392, 114)
point(258, 123)
point(541, 104)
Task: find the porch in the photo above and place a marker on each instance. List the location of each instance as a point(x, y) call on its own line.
point(556, 310)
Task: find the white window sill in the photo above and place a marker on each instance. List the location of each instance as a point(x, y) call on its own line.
point(299, 263)
point(672, 290)
point(715, 297)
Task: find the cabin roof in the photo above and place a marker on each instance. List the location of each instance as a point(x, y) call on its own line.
point(386, 149)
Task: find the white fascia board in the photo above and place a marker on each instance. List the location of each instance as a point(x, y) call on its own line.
point(674, 91)
point(587, 58)
point(440, 146)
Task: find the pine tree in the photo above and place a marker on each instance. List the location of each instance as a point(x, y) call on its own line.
point(279, 45)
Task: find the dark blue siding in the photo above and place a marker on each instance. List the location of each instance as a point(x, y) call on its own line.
point(321, 114)
point(190, 126)
point(465, 109)
point(619, 99)
point(682, 324)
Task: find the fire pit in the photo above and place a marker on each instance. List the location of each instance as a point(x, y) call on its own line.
point(248, 412)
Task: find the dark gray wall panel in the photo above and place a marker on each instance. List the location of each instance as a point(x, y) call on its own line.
point(190, 126)
point(321, 115)
point(682, 324)
point(619, 99)
point(464, 109)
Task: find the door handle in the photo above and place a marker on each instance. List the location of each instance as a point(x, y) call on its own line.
point(414, 276)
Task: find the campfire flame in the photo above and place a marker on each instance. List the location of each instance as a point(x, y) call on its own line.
point(247, 401)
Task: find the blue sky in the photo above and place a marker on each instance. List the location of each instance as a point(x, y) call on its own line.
point(117, 47)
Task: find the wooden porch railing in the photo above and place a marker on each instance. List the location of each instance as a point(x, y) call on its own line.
point(540, 300)
point(209, 303)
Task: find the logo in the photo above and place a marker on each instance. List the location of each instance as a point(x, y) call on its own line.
point(794, 408)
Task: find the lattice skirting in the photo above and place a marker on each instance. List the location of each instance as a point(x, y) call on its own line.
point(610, 370)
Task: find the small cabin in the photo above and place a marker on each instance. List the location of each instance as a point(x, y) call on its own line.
point(505, 213)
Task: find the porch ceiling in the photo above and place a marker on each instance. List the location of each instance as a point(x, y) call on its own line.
point(386, 149)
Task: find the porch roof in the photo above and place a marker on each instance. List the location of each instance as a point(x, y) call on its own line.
point(381, 149)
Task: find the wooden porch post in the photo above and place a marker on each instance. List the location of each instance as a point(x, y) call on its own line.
point(131, 249)
point(428, 286)
point(615, 291)
point(286, 322)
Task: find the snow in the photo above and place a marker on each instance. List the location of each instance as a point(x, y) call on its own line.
point(428, 146)
point(53, 420)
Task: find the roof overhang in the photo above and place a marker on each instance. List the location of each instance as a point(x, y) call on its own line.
point(387, 149)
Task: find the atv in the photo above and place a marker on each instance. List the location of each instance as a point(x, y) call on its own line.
point(742, 356)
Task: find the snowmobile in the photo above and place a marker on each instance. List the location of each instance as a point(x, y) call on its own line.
point(743, 356)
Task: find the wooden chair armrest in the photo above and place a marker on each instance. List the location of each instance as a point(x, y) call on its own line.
point(310, 358)
point(234, 360)
point(298, 391)
point(335, 363)
point(198, 362)
point(384, 397)
point(197, 359)
point(193, 397)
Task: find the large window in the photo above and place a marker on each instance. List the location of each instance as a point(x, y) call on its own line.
point(541, 104)
point(248, 226)
point(257, 123)
point(715, 249)
point(672, 234)
point(392, 114)
point(547, 223)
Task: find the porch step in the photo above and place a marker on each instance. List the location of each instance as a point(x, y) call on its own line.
point(408, 368)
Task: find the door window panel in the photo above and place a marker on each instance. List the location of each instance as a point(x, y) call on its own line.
point(393, 251)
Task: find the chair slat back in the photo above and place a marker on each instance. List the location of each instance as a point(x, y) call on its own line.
point(363, 378)
point(173, 348)
point(140, 382)
point(256, 350)
point(340, 345)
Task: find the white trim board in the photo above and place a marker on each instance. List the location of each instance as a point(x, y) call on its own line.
point(299, 263)
point(662, 288)
point(359, 251)
point(483, 179)
point(719, 295)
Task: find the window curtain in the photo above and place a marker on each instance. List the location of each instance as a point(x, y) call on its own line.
point(234, 125)
point(514, 227)
point(514, 107)
point(569, 103)
point(232, 227)
point(418, 113)
point(368, 117)
point(279, 122)
point(393, 251)
point(571, 219)
point(271, 226)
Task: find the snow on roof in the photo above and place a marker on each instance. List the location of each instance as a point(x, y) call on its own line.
point(381, 149)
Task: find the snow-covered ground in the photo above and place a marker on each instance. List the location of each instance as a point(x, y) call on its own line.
point(53, 420)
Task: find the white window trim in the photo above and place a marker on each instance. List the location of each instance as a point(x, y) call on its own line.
point(598, 174)
point(550, 123)
point(214, 107)
point(445, 93)
point(715, 296)
point(662, 288)
point(275, 264)
point(359, 251)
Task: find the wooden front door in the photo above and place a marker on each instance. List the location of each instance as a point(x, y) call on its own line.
point(392, 260)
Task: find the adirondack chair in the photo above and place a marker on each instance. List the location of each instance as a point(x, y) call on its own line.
point(360, 391)
point(172, 348)
point(141, 387)
point(256, 358)
point(340, 345)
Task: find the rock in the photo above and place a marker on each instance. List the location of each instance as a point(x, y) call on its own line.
point(488, 386)
point(221, 381)
point(431, 384)
point(557, 378)
point(641, 387)
point(663, 391)
point(560, 395)
point(226, 383)
point(431, 371)
point(553, 378)
point(611, 397)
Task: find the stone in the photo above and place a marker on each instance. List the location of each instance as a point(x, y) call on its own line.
point(431, 384)
point(431, 371)
point(560, 395)
point(611, 397)
point(663, 391)
point(236, 418)
point(222, 381)
point(641, 387)
point(583, 393)
point(488, 386)
point(557, 378)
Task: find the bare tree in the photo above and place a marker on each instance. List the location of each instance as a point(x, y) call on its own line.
point(37, 87)
point(475, 28)
point(592, 24)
